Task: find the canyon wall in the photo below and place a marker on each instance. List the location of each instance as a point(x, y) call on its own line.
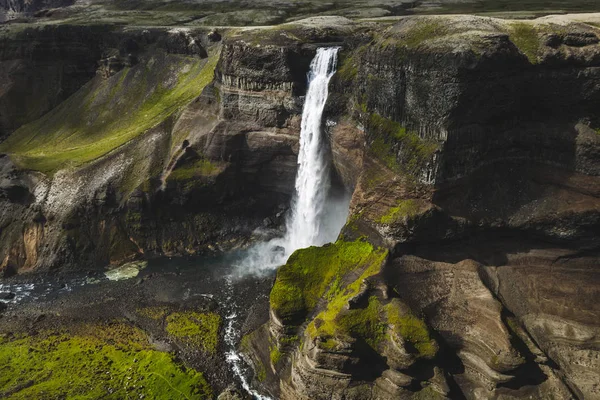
point(473, 149)
point(468, 266)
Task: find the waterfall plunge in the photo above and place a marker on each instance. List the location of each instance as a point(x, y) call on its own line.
point(316, 217)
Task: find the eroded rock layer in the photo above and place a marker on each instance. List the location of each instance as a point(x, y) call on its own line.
point(468, 265)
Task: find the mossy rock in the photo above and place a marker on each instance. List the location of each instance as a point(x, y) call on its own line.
point(200, 330)
point(309, 273)
point(411, 329)
point(109, 361)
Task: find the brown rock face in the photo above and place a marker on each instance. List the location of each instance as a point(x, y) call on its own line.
point(475, 160)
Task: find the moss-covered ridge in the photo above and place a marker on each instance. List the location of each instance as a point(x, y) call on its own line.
point(376, 322)
point(111, 361)
point(200, 330)
point(317, 272)
point(106, 114)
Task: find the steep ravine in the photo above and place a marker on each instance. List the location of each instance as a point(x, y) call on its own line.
point(468, 267)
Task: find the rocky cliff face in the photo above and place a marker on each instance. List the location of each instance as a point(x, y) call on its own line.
point(205, 153)
point(476, 149)
point(467, 268)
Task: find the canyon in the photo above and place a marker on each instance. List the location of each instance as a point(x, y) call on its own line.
point(470, 146)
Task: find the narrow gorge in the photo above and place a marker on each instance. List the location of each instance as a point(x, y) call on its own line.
point(322, 207)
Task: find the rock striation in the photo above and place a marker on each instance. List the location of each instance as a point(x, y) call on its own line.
point(468, 265)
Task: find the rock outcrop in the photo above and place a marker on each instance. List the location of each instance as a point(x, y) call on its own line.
point(472, 146)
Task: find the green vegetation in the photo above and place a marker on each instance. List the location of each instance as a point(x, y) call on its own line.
point(365, 323)
point(274, 354)
point(348, 69)
point(427, 393)
point(400, 150)
point(112, 361)
point(199, 168)
point(261, 372)
point(336, 321)
point(424, 30)
point(310, 272)
point(526, 38)
point(411, 329)
point(405, 208)
point(197, 329)
point(106, 114)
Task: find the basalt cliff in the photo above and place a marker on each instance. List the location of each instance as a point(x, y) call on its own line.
point(468, 267)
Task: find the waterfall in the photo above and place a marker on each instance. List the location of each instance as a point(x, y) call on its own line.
point(317, 215)
point(305, 227)
point(315, 218)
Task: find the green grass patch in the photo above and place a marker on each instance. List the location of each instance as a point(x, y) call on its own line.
point(275, 355)
point(411, 329)
point(309, 273)
point(423, 31)
point(199, 168)
point(526, 38)
point(109, 362)
point(197, 329)
point(336, 321)
point(106, 114)
point(405, 208)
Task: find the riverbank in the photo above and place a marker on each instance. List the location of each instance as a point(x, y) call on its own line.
point(171, 318)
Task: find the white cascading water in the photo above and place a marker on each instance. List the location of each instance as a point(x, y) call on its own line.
point(306, 226)
point(315, 217)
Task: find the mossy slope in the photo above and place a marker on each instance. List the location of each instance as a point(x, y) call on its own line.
point(105, 114)
point(302, 282)
point(112, 361)
point(197, 329)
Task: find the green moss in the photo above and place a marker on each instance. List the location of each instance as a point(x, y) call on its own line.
point(427, 393)
point(310, 272)
point(245, 343)
point(400, 150)
point(329, 344)
point(411, 329)
point(106, 114)
point(261, 371)
point(526, 38)
point(424, 30)
point(365, 323)
point(200, 168)
point(274, 355)
point(197, 329)
point(289, 340)
point(336, 321)
point(348, 69)
point(102, 361)
point(405, 208)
